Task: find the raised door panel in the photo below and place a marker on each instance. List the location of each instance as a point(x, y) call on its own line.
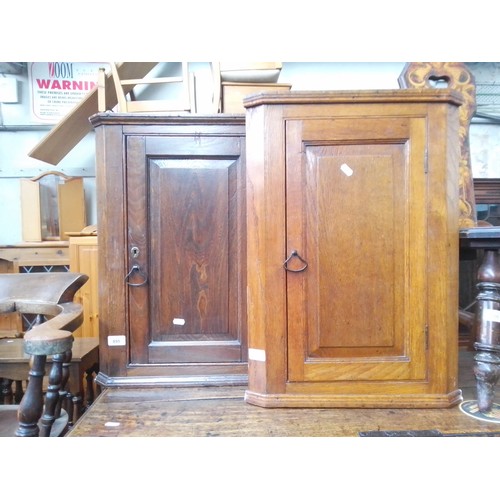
point(356, 213)
point(185, 218)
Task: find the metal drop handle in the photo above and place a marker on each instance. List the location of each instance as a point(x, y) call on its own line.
point(290, 257)
point(136, 268)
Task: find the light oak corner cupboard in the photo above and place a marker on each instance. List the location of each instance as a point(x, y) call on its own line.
point(352, 248)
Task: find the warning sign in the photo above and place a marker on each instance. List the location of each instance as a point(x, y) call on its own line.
point(56, 87)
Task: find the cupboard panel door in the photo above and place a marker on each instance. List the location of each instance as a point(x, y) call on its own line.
point(185, 218)
point(356, 205)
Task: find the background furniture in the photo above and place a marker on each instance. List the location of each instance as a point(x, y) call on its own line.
point(234, 81)
point(83, 253)
point(184, 102)
point(487, 197)
point(47, 256)
point(78, 254)
point(454, 76)
point(485, 320)
point(52, 205)
point(352, 263)
point(172, 301)
point(70, 130)
point(83, 366)
point(27, 257)
point(50, 297)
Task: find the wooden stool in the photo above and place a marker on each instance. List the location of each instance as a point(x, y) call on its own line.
point(49, 297)
point(14, 367)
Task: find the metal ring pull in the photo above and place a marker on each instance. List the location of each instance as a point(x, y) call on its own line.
point(136, 268)
point(291, 256)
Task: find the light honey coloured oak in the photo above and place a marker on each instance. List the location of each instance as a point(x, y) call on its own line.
point(357, 192)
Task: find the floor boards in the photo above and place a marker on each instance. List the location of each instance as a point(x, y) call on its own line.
point(222, 412)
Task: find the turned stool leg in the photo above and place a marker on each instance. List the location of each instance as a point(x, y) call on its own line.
point(77, 408)
point(487, 331)
point(487, 372)
point(31, 407)
point(69, 408)
point(63, 391)
point(90, 394)
point(52, 396)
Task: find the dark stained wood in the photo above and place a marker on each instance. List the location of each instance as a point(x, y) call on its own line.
point(487, 190)
point(84, 363)
point(195, 232)
point(181, 183)
point(487, 330)
point(484, 319)
point(363, 185)
point(50, 297)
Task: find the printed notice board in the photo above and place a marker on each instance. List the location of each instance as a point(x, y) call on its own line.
point(56, 87)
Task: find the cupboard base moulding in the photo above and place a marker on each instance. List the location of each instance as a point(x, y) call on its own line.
point(312, 400)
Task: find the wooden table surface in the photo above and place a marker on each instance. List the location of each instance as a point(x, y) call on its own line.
point(223, 412)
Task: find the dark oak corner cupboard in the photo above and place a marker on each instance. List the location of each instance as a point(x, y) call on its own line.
point(352, 256)
point(171, 221)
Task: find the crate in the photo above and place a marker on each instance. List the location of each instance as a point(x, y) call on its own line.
point(52, 205)
point(233, 93)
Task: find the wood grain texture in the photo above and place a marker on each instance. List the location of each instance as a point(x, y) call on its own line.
point(83, 259)
point(364, 187)
point(181, 183)
point(222, 412)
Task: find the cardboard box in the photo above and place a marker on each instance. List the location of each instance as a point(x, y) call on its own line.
point(233, 93)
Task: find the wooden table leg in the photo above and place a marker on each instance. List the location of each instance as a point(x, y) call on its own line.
point(89, 375)
point(487, 330)
point(6, 391)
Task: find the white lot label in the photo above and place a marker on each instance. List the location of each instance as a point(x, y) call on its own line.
point(114, 340)
point(256, 354)
point(491, 315)
point(179, 321)
point(346, 169)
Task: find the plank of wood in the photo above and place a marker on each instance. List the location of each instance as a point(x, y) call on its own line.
point(75, 125)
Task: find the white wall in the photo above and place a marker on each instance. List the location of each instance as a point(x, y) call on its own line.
point(19, 132)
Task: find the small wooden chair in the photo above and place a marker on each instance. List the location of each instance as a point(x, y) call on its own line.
point(50, 297)
point(125, 87)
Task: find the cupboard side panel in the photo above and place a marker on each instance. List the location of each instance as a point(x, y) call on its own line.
point(266, 299)
point(110, 194)
point(443, 185)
